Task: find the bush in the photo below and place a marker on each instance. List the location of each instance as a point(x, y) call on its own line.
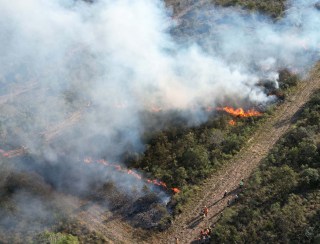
point(310, 177)
point(281, 201)
point(56, 238)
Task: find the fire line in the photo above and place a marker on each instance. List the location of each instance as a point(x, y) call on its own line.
point(240, 112)
point(23, 150)
point(131, 172)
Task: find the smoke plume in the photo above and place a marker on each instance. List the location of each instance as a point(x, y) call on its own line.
point(120, 58)
point(83, 72)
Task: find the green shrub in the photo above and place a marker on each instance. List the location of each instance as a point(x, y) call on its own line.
point(56, 238)
point(281, 201)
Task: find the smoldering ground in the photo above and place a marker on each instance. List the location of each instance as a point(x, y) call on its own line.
point(94, 67)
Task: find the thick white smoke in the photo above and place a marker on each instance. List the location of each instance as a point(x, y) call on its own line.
point(110, 60)
point(255, 42)
point(75, 76)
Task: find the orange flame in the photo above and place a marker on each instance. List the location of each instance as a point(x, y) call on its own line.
point(175, 190)
point(130, 172)
point(232, 122)
point(239, 112)
point(13, 153)
point(23, 150)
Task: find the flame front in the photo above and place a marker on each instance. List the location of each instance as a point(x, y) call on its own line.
point(13, 153)
point(131, 172)
point(21, 151)
point(240, 112)
point(175, 190)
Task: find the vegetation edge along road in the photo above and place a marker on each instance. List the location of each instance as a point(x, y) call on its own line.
point(185, 227)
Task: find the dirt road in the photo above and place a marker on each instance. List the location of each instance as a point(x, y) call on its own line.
point(18, 90)
point(187, 226)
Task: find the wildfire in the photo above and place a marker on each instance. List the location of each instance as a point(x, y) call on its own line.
point(130, 172)
point(175, 190)
point(13, 153)
point(232, 122)
point(21, 151)
point(240, 112)
point(4, 153)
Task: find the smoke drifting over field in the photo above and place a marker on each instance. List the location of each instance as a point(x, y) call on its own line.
point(120, 57)
point(94, 67)
point(75, 78)
point(120, 54)
point(253, 42)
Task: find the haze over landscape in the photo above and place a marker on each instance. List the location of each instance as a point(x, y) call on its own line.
point(120, 105)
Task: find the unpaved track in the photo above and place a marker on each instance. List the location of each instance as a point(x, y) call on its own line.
point(18, 90)
point(58, 129)
point(96, 218)
point(187, 226)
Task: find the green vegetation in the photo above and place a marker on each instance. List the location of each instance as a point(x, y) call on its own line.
point(56, 238)
point(184, 156)
point(281, 202)
point(76, 228)
point(274, 8)
point(181, 156)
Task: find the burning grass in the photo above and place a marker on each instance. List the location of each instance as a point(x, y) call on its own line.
point(240, 112)
point(136, 175)
point(232, 122)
